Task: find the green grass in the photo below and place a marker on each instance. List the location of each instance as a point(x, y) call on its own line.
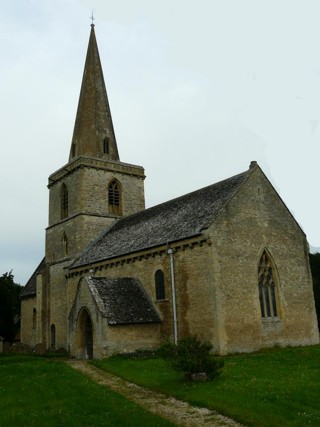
point(279, 387)
point(43, 392)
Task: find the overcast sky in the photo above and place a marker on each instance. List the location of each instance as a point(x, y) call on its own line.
point(197, 90)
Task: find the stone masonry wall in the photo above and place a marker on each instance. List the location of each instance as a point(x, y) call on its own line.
point(194, 297)
point(255, 220)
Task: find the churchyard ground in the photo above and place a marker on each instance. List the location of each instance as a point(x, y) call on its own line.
point(272, 388)
point(44, 392)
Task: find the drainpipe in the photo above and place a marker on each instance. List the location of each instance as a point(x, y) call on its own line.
point(174, 305)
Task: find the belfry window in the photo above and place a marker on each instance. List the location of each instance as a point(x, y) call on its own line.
point(73, 150)
point(64, 201)
point(106, 145)
point(114, 197)
point(159, 284)
point(267, 288)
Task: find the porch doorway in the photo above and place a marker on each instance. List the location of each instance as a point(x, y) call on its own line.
point(85, 335)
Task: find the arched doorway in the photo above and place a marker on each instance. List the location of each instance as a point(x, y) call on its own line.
point(85, 335)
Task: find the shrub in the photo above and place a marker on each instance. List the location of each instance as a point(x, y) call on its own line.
point(192, 356)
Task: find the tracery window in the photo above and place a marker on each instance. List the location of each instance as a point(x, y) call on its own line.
point(159, 284)
point(64, 201)
point(114, 197)
point(267, 288)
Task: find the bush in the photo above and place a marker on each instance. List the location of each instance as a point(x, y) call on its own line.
point(192, 356)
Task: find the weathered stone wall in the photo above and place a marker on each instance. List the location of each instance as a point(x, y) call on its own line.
point(256, 219)
point(88, 191)
point(194, 298)
point(87, 217)
point(58, 308)
point(28, 331)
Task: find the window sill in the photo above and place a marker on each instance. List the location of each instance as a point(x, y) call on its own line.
point(270, 320)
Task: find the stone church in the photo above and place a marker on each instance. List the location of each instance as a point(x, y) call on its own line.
point(227, 263)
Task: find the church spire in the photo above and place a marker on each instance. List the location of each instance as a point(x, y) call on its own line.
point(93, 134)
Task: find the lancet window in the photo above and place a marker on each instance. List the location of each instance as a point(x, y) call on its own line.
point(267, 288)
point(106, 145)
point(159, 284)
point(64, 201)
point(65, 244)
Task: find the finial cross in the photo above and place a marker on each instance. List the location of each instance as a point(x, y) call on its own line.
point(92, 18)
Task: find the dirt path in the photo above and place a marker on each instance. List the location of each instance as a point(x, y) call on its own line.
point(176, 411)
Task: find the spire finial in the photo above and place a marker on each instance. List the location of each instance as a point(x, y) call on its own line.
point(92, 18)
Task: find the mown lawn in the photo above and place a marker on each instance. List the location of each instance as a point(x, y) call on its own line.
point(279, 387)
point(43, 392)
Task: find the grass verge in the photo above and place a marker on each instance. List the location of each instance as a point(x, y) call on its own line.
point(278, 387)
point(43, 392)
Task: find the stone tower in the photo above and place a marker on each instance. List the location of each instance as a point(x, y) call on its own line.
point(87, 194)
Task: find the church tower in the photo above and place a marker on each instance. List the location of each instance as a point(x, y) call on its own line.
point(88, 193)
point(94, 188)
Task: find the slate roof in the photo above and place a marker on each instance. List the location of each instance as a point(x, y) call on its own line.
point(123, 300)
point(177, 219)
point(29, 290)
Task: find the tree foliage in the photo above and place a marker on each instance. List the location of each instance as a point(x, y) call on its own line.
point(315, 271)
point(9, 306)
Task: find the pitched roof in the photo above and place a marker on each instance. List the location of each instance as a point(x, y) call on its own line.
point(177, 219)
point(123, 300)
point(30, 290)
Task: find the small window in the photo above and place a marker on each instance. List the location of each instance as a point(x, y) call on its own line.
point(159, 283)
point(64, 201)
point(73, 150)
point(65, 244)
point(106, 145)
point(267, 288)
point(53, 336)
point(114, 197)
point(34, 318)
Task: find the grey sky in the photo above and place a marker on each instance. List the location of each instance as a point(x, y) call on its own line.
point(197, 90)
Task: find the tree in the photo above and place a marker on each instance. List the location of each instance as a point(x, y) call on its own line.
point(315, 271)
point(9, 306)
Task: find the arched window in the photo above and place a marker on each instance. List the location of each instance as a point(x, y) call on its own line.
point(114, 197)
point(159, 283)
point(106, 145)
point(64, 201)
point(267, 288)
point(34, 318)
point(53, 336)
point(65, 244)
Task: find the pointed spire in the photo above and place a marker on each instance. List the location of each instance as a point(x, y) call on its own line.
point(93, 134)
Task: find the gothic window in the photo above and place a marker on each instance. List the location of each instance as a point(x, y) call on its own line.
point(159, 283)
point(106, 145)
point(64, 201)
point(34, 318)
point(267, 288)
point(114, 197)
point(53, 336)
point(65, 244)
